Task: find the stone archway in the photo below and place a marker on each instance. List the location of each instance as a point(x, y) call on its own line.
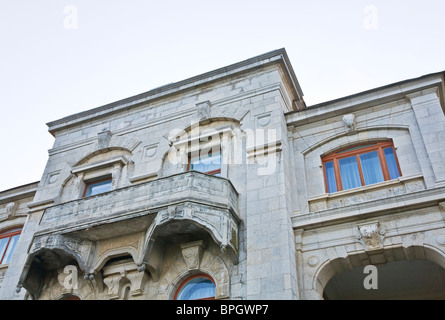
point(198, 257)
point(416, 272)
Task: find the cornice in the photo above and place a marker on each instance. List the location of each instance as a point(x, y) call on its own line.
point(398, 91)
point(276, 56)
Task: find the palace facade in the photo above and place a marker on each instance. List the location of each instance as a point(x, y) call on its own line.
point(228, 186)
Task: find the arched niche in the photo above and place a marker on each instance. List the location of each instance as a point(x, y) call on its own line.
point(220, 134)
point(189, 259)
point(111, 163)
point(345, 277)
point(321, 146)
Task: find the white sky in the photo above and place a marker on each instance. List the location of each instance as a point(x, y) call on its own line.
point(52, 66)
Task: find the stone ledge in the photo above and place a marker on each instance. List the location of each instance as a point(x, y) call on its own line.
point(379, 207)
point(372, 192)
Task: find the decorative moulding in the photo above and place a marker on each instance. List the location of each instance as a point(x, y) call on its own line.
point(121, 159)
point(192, 254)
point(371, 235)
point(144, 177)
point(264, 149)
point(103, 138)
point(349, 123)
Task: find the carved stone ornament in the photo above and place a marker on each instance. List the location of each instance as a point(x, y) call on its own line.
point(203, 110)
point(371, 236)
point(349, 123)
point(104, 138)
point(11, 209)
point(117, 276)
point(192, 254)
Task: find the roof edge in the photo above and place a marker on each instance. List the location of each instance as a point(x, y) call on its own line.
point(348, 97)
point(181, 85)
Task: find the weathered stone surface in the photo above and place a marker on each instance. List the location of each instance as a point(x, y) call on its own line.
point(264, 229)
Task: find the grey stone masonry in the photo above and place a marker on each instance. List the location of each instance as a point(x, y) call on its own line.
point(222, 177)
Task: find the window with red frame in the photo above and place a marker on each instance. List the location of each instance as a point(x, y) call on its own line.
point(197, 287)
point(97, 187)
point(206, 161)
point(360, 165)
point(8, 241)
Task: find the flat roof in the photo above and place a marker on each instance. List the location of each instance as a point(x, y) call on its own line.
point(279, 55)
point(354, 95)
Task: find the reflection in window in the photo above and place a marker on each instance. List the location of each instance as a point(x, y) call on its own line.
point(8, 241)
point(207, 161)
point(360, 165)
point(97, 187)
point(196, 288)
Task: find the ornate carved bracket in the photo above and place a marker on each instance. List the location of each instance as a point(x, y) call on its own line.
point(118, 276)
point(371, 235)
point(349, 123)
point(219, 223)
point(192, 254)
point(77, 248)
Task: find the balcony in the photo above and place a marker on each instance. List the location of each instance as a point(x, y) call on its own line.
point(135, 221)
point(141, 200)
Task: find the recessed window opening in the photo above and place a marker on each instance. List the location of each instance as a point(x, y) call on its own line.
point(360, 165)
point(207, 160)
point(198, 287)
point(97, 186)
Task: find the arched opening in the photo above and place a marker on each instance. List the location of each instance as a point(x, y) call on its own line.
point(196, 287)
point(417, 278)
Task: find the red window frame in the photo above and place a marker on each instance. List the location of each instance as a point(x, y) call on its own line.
point(9, 233)
point(93, 182)
point(201, 275)
point(212, 172)
point(340, 154)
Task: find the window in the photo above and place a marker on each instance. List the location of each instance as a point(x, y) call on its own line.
point(8, 241)
point(360, 165)
point(199, 287)
point(206, 161)
point(97, 187)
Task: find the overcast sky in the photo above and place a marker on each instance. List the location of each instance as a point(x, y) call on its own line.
point(61, 57)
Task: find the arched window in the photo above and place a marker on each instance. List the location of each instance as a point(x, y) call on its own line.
point(198, 287)
point(360, 165)
point(8, 241)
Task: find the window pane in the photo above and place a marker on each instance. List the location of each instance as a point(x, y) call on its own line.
point(371, 167)
point(330, 176)
point(206, 161)
point(392, 164)
point(198, 288)
point(3, 244)
point(350, 176)
point(10, 249)
point(98, 187)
